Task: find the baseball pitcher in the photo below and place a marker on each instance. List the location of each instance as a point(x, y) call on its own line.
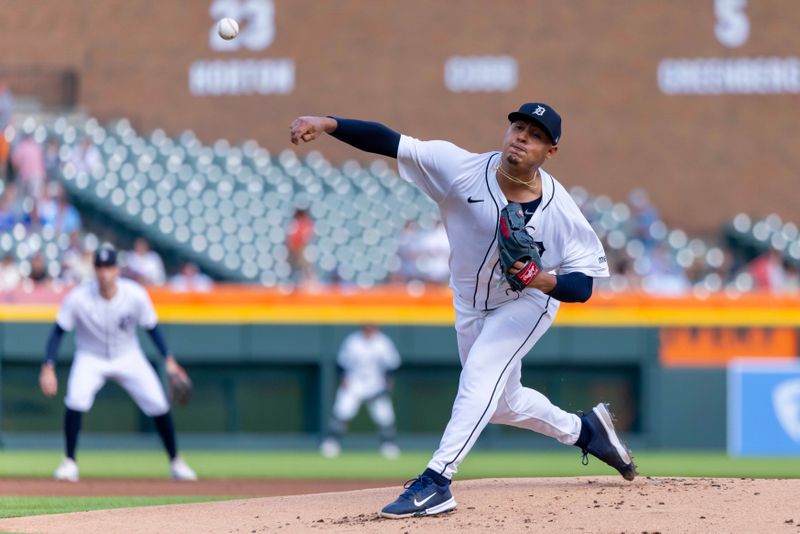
point(519, 247)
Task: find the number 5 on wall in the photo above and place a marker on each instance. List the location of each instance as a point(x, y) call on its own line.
point(732, 26)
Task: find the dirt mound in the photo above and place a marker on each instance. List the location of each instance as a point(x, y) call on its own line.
point(554, 505)
point(106, 487)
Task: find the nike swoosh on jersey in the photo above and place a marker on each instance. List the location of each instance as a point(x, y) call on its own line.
point(474, 200)
point(423, 501)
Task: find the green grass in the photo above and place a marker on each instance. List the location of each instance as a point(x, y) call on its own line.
point(352, 465)
point(371, 466)
point(24, 506)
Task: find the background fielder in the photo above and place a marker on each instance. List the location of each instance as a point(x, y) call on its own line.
point(367, 359)
point(105, 314)
point(496, 325)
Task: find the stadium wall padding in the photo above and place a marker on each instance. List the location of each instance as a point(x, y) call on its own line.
point(274, 379)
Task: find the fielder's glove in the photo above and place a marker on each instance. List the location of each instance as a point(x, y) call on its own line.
point(180, 385)
point(516, 244)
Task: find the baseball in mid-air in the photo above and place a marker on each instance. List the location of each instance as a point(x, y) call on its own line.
point(228, 28)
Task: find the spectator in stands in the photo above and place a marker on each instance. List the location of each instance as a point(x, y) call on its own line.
point(696, 271)
point(10, 276)
point(768, 272)
point(665, 276)
point(28, 160)
point(298, 237)
point(623, 276)
point(10, 208)
point(39, 274)
point(5, 158)
point(434, 255)
point(792, 282)
point(7, 169)
point(77, 262)
point(6, 108)
point(145, 265)
point(408, 252)
point(86, 157)
point(52, 160)
point(56, 211)
point(190, 279)
point(645, 215)
point(6, 105)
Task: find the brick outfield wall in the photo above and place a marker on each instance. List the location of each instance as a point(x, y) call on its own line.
point(702, 158)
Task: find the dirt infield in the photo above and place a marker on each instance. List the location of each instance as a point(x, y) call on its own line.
point(557, 505)
point(147, 487)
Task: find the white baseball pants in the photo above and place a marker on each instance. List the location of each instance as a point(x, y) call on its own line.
point(132, 371)
point(491, 346)
point(348, 400)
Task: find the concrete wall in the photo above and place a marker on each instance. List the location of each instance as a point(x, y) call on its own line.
point(596, 62)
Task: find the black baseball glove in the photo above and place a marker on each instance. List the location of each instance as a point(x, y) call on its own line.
point(516, 244)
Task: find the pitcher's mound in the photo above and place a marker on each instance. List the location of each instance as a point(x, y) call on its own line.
point(558, 505)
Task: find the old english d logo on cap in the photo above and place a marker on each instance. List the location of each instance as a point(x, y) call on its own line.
point(543, 115)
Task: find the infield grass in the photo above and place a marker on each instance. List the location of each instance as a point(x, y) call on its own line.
point(25, 506)
point(371, 466)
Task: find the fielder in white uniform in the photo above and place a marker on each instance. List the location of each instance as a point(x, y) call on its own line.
point(496, 326)
point(367, 358)
point(104, 314)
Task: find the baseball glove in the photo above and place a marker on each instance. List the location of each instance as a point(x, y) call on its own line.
point(516, 244)
point(180, 386)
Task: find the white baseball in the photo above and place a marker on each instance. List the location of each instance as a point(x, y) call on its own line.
point(228, 28)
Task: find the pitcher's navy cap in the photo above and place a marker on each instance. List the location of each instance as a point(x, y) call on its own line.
point(105, 257)
point(541, 114)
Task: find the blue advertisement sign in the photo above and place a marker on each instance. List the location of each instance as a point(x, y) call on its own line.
point(764, 408)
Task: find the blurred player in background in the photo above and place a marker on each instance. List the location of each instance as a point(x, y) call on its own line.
point(104, 314)
point(367, 358)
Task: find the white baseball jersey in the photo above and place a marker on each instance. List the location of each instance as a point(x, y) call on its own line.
point(495, 326)
point(106, 346)
point(464, 186)
point(365, 360)
point(107, 328)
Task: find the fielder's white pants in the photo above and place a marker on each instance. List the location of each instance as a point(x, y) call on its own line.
point(349, 399)
point(132, 371)
point(491, 346)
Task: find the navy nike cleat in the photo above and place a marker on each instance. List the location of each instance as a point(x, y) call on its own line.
point(422, 497)
point(603, 443)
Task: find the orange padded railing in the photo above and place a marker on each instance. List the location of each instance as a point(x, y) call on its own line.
point(247, 304)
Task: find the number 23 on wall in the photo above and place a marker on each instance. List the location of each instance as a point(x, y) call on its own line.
point(256, 19)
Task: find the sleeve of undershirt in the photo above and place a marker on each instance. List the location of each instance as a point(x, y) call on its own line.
point(368, 136)
point(572, 287)
point(53, 342)
point(158, 340)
